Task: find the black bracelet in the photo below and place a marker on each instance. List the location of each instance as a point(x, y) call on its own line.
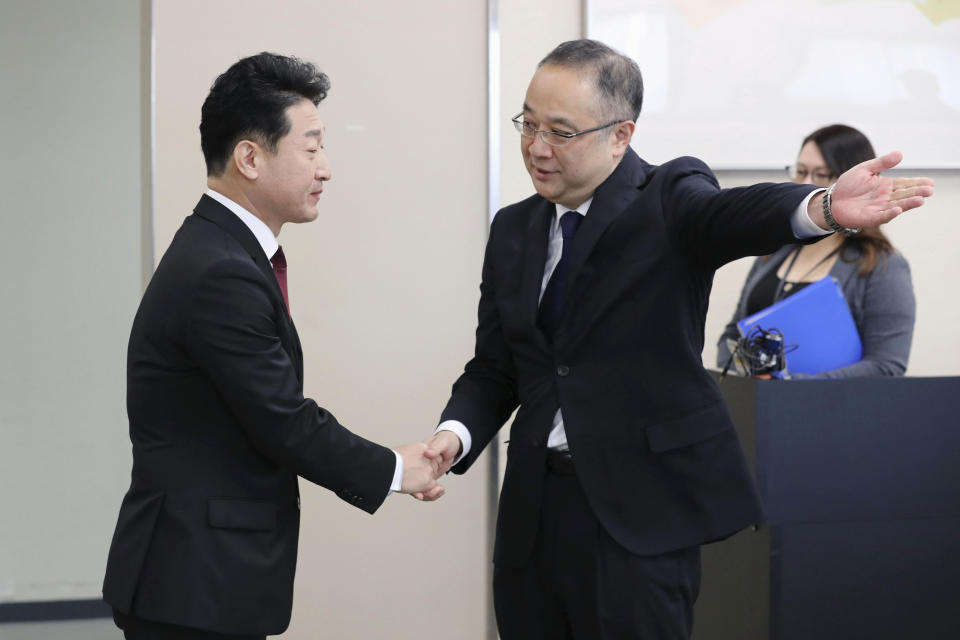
point(828, 214)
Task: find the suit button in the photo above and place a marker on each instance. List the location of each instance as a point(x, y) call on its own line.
point(563, 370)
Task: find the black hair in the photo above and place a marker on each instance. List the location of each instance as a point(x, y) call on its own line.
point(249, 101)
point(616, 77)
point(842, 147)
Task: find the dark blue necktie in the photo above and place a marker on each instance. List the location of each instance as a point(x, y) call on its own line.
point(551, 304)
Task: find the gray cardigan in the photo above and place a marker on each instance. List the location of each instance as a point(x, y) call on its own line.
point(881, 302)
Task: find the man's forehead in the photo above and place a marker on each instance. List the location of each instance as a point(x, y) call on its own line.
point(560, 95)
point(305, 118)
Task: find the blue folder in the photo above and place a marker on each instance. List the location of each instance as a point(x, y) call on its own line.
point(817, 320)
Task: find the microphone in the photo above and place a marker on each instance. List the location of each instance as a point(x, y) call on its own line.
point(761, 353)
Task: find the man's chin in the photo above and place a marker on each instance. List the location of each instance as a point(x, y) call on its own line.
point(544, 190)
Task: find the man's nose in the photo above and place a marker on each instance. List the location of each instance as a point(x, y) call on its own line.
point(539, 147)
point(323, 170)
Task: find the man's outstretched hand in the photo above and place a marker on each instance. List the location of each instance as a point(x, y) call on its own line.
point(864, 198)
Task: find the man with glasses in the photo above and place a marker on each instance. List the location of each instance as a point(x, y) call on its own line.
point(622, 459)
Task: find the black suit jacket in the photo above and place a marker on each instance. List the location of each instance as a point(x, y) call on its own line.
point(652, 441)
point(207, 533)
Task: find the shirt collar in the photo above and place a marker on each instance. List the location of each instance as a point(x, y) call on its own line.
point(260, 230)
point(582, 209)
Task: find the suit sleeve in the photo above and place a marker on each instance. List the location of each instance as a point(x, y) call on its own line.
point(486, 394)
point(716, 225)
point(232, 334)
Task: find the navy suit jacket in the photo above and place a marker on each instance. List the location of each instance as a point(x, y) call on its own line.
point(651, 438)
point(207, 533)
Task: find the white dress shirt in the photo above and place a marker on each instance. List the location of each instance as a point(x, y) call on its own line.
point(268, 242)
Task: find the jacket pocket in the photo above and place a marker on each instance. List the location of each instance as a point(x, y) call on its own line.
point(689, 429)
point(245, 515)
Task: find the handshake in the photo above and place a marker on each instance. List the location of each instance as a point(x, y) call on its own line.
point(424, 463)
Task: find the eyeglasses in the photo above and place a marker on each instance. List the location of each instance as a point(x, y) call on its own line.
point(553, 138)
point(818, 176)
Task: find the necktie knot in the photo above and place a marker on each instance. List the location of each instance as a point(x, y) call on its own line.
point(279, 262)
point(569, 223)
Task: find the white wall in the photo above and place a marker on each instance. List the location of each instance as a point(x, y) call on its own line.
point(721, 76)
point(529, 30)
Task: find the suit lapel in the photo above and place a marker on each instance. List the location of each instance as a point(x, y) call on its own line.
point(534, 260)
point(609, 201)
point(218, 214)
point(211, 210)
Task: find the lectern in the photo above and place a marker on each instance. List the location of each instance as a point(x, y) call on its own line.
point(860, 481)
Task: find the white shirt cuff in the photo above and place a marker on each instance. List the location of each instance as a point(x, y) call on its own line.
point(461, 432)
point(803, 227)
point(397, 483)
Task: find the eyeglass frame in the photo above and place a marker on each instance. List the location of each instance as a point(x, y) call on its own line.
point(566, 137)
point(791, 170)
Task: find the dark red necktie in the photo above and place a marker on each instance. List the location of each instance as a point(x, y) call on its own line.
point(279, 262)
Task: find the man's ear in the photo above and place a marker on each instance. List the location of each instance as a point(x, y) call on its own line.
point(248, 159)
point(622, 134)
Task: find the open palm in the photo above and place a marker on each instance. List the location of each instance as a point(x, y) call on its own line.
point(864, 198)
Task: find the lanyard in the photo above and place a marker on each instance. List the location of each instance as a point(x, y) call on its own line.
point(796, 254)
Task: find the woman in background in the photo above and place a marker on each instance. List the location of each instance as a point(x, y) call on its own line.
point(875, 278)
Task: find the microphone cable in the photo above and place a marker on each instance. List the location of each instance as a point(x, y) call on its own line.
point(761, 353)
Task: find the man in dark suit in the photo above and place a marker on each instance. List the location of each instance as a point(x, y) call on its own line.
point(206, 541)
point(622, 459)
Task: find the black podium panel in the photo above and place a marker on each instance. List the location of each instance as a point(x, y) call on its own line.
point(860, 481)
point(859, 449)
point(895, 579)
